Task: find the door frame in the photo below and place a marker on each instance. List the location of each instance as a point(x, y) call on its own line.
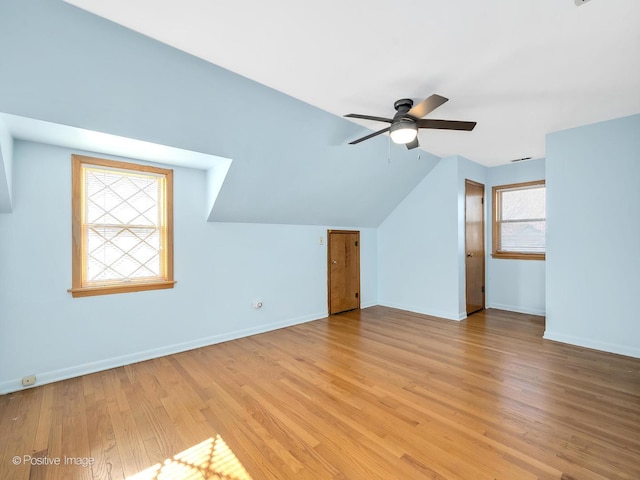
point(484, 246)
point(341, 232)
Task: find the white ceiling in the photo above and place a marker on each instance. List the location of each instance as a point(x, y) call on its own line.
point(521, 69)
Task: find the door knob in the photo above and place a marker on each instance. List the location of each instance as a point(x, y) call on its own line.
point(470, 254)
point(334, 262)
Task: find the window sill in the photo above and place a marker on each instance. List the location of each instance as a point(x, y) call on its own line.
point(123, 288)
point(519, 256)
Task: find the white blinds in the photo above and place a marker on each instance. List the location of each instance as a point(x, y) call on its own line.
point(522, 219)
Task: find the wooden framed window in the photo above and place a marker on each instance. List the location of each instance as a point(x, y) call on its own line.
point(122, 227)
point(519, 221)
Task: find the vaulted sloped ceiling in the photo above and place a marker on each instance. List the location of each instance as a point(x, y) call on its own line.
point(520, 68)
point(290, 161)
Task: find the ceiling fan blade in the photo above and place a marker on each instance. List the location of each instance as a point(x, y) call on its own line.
point(369, 117)
point(369, 136)
point(428, 105)
point(413, 144)
point(446, 124)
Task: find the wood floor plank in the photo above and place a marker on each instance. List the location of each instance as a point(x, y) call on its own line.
point(102, 440)
point(18, 431)
point(371, 394)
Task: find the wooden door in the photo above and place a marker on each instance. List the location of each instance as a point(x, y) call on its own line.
point(343, 258)
point(474, 244)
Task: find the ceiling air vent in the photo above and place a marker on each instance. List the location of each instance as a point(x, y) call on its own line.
point(580, 2)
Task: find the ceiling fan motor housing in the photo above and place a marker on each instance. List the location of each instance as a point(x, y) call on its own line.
point(402, 106)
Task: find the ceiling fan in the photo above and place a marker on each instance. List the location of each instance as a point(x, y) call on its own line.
point(408, 119)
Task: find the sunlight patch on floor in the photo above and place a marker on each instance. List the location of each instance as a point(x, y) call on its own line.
point(211, 459)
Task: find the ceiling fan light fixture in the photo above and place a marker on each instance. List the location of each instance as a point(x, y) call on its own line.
point(403, 132)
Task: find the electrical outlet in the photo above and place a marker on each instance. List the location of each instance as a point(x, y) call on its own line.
point(28, 381)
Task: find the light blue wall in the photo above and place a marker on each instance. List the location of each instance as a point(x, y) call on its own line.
point(6, 169)
point(593, 239)
point(515, 285)
point(221, 269)
point(418, 247)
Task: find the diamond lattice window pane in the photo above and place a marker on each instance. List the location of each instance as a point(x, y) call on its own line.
point(123, 226)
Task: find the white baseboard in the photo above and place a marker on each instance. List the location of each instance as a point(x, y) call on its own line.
point(593, 344)
point(92, 367)
point(368, 305)
point(518, 309)
point(433, 313)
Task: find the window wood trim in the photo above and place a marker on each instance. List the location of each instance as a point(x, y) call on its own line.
point(78, 257)
point(519, 256)
point(495, 233)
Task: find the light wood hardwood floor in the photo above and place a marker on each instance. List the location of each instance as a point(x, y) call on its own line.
point(371, 394)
